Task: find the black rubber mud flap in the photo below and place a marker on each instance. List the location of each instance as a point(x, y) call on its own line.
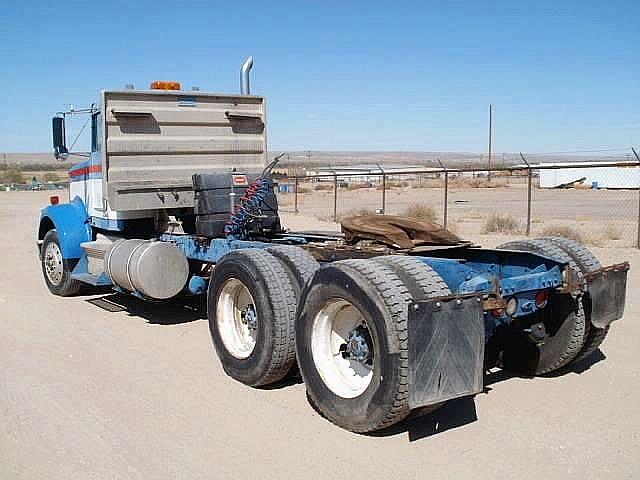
point(608, 290)
point(446, 350)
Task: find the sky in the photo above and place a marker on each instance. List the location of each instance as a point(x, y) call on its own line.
point(343, 75)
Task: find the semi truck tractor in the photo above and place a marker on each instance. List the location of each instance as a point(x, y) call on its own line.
point(176, 198)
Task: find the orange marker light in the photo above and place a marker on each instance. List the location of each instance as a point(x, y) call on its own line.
point(164, 85)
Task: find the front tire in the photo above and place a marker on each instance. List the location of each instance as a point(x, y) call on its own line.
point(56, 269)
point(251, 309)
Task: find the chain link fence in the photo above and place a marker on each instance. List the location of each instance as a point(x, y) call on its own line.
point(596, 203)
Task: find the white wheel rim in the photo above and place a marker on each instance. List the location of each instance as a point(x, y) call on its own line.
point(236, 318)
point(332, 329)
point(53, 266)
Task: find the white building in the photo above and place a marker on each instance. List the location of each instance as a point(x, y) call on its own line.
point(371, 173)
point(597, 177)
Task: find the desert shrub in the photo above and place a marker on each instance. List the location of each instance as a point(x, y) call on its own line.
point(501, 223)
point(358, 186)
point(429, 183)
point(50, 177)
point(11, 175)
point(478, 182)
point(421, 211)
point(354, 212)
point(612, 233)
point(394, 184)
point(323, 187)
point(562, 231)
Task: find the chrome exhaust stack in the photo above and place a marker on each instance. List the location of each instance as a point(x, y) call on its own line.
point(245, 87)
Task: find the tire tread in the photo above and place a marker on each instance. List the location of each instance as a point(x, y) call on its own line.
point(577, 335)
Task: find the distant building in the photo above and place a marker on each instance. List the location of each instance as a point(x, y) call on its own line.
point(567, 173)
point(372, 173)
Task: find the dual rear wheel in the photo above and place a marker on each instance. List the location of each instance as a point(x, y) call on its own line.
point(346, 325)
point(348, 332)
point(570, 335)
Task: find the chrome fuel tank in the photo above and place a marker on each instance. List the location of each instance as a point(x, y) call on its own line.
point(155, 269)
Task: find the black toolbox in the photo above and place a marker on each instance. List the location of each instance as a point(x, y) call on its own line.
point(217, 196)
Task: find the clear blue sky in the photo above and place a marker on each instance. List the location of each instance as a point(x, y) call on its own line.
point(348, 75)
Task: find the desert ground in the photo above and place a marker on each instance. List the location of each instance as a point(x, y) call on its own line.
point(136, 391)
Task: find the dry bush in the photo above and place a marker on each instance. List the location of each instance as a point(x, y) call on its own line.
point(325, 218)
point(612, 233)
point(501, 223)
point(50, 177)
point(393, 184)
point(595, 242)
point(473, 215)
point(11, 175)
point(562, 231)
point(478, 182)
point(429, 183)
point(421, 211)
point(486, 183)
point(358, 186)
point(323, 187)
point(354, 212)
point(304, 189)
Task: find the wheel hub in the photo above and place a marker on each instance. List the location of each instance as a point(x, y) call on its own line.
point(237, 318)
point(53, 265)
point(249, 317)
point(357, 346)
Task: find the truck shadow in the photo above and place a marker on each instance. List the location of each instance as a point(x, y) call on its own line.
point(171, 312)
point(453, 414)
point(462, 411)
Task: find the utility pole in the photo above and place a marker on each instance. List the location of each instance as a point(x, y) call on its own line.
point(490, 131)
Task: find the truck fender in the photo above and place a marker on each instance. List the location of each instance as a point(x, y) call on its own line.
point(71, 221)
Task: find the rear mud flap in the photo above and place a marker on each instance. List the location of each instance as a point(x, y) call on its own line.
point(607, 289)
point(446, 350)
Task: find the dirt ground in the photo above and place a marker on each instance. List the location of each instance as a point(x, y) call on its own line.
point(139, 393)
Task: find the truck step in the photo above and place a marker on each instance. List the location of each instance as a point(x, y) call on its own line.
point(102, 280)
point(95, 251)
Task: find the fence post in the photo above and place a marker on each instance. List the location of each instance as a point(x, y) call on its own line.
point(295, 197)
point(529, 177)
point(335, 197)
point(384, 189)
point(638, 237)
point(446, 194)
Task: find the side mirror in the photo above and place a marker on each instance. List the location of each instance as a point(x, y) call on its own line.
point(59, 141)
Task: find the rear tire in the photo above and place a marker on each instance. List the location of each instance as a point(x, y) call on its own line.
point(300, 266)
point(57, 270)
point(251, 309)
point(422, 282)
point(355, 302)
point(587, 262)
point(564, 320)
point(298, 262)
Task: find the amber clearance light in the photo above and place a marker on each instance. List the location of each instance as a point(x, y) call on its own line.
point(164, 85)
